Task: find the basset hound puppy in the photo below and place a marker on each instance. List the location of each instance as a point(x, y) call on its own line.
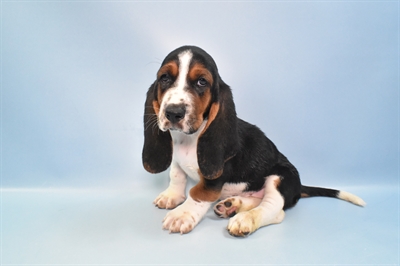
point(190, 125)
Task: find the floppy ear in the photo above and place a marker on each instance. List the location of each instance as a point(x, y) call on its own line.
point(219, 141)
point(157, 148)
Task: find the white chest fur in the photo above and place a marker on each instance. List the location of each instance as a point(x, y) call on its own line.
point(185, 151)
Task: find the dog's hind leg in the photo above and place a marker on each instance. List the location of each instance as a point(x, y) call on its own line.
point(269, 211)
point(233, 205)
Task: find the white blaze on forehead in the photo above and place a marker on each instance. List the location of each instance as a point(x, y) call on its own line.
point(184, 62)
point(177, 94)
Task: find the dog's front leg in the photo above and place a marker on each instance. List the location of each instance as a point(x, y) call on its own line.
point(175, 193)
point(186, 216)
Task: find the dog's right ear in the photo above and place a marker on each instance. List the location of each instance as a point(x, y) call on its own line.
point(157, 147)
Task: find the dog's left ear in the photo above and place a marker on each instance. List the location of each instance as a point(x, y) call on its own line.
point(219, 140)
point(157, 147)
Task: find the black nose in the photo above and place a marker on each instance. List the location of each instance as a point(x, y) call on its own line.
point(175, 112)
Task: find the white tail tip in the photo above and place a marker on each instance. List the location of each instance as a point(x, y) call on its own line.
point(351, 198)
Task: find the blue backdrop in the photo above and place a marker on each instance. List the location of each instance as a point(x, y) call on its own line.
point(319, 78)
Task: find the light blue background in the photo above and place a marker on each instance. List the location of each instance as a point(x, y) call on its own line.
point(320, 78)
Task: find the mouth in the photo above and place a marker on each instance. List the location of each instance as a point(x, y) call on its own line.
point(188, 130)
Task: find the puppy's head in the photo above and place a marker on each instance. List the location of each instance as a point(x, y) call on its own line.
point(185, 88)
point(187, 92)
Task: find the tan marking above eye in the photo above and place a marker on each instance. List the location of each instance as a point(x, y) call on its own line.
point(199, 71)
point(170, 68)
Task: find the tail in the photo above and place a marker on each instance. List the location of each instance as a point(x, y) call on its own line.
point(332, 193)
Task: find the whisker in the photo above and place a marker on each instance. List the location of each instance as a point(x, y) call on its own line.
point(151, 122)
point(157, 61)
point(155, 127)
point(152, 125)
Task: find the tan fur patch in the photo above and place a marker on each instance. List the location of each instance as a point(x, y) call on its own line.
point(156, 107)
point(199, 71)
point(277, 182)
point(200, 105)
point(160, 96)
point(211, 116)
point(201, 193)
point(304, 195)
point(170, 68)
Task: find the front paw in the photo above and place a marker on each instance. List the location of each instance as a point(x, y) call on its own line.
point(169, 199)
point(178, 221)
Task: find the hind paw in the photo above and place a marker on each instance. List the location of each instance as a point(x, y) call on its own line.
point(228, 208)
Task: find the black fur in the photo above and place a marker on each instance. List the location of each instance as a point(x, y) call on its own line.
point(257, 157)
point(157, 148)
point(220, 141)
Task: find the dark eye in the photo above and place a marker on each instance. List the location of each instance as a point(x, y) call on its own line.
point(165, 78)
point(201, 82)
